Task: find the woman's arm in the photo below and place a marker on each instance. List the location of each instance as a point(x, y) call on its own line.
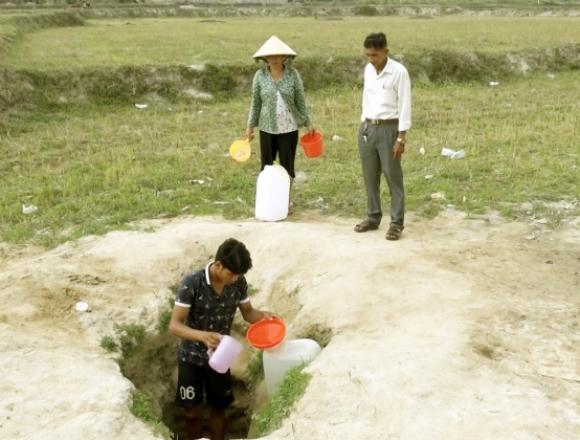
point(300, 100)
point(255, 106)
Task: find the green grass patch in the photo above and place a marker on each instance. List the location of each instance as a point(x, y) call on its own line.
point(148, 360)
point(255, 371)
point(130, 337)
point(142, 407)
point(165, 316)
point(162, 41)
point(15, 27)
point(93, 169)
point(109, 344)
point(271, 415)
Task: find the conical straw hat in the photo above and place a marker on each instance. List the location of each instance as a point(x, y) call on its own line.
point(274, 46)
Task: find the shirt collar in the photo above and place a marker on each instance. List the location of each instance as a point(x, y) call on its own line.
point(388, 67)
point(207, 277)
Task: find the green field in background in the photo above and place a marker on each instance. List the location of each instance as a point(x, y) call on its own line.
point(234, 40)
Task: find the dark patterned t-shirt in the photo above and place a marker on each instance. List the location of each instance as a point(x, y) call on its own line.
point(208, 311)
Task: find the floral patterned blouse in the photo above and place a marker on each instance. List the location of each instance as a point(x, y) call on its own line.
point(265, 110)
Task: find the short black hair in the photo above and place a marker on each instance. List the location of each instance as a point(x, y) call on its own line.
point(234, 256)
point(376, 41)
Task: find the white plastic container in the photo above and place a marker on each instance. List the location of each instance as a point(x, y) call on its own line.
point(272, 194)
point(224, 355)
point(289, 354)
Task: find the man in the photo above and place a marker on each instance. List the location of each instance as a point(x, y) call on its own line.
point(204, 310)
point(385, 119)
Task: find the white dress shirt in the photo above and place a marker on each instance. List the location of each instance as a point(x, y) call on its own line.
point(387, 95)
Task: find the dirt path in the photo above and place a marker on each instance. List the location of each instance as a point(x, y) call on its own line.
point(464, 329)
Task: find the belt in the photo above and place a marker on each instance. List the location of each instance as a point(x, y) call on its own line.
point(382, 121)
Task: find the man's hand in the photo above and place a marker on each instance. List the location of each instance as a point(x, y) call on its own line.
point(210, 339)
point(269, 315)
point(250, 134)
point(398, 150)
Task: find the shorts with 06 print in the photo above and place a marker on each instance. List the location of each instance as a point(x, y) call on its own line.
point(193, 381)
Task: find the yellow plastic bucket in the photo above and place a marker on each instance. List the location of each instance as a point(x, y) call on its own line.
point(240, 150)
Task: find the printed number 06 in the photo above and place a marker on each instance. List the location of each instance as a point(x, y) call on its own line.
point(187, 393)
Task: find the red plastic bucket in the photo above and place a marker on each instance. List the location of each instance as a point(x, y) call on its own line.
point(266, 333)
point(312, 143)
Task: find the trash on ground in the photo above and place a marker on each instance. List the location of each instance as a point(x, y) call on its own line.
point(422, 151)
point(429, 176)
point(82, 306)
point(438, 196)
point(300, 178)
point(197, 67)
point(542, 221)
point(336, 138)
point(452, 154)
point(29, 209)
point(198, 181)
point(141, 106)
point(197, 94)
point(494, 83)
point(533, 235)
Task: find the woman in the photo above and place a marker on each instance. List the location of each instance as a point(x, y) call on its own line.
point(278, 106)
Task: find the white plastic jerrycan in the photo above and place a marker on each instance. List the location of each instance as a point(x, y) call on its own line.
point(272, 194)
point(222, 358)
point(289, 354)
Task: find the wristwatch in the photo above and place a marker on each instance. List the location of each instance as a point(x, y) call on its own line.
point(401, 140)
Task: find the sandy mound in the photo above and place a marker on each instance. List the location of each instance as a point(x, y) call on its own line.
point(464, 329)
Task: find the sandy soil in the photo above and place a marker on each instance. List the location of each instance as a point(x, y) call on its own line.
point(465, 329)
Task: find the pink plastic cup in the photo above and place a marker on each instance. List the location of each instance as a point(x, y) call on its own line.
point(222, 358)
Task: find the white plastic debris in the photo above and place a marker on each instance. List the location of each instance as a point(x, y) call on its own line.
point(452, 154)
point(199, 112)
point(197, 67)
point(429, 176)
point(29, 209)
point(141, 106)
point(533, 235)
point(336, 138)
point(438, 196)
point(422, 151)
point(198, 181)
point(300, 178)
point(82, 306)
point(494, 83)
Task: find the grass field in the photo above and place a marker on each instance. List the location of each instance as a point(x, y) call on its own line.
point(92, 169)
point(234, 40)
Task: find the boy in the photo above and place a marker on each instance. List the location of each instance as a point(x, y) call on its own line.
point(204, 309)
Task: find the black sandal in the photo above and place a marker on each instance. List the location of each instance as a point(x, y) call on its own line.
point(394, 232)
point(366, 225)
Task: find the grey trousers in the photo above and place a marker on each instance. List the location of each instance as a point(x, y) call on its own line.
point(375, 144)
